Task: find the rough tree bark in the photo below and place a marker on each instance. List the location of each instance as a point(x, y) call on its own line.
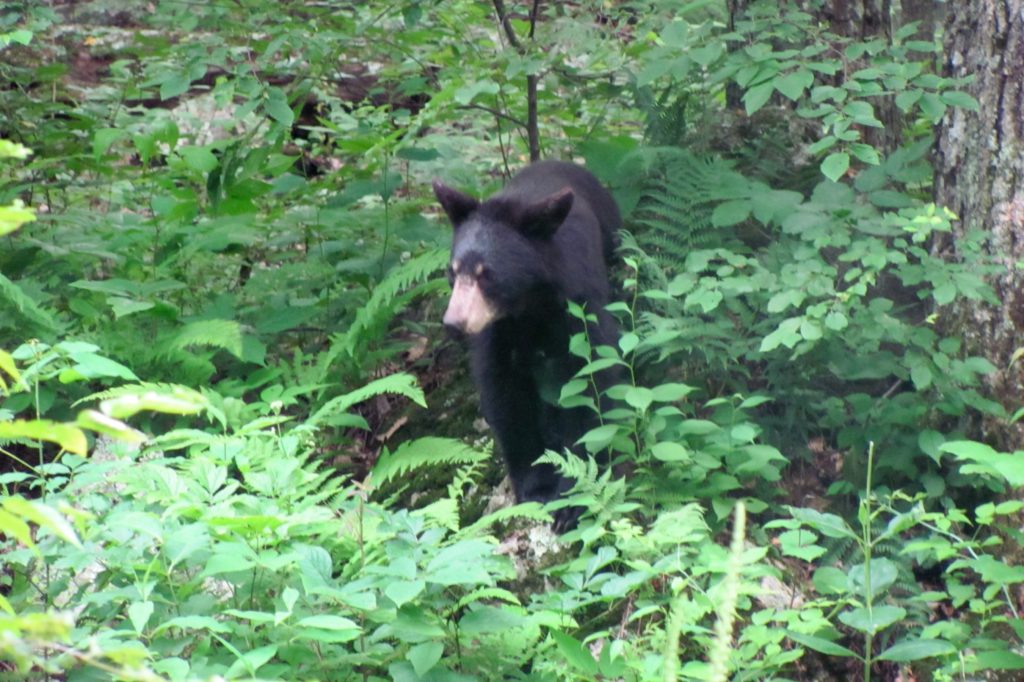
point(980, 177)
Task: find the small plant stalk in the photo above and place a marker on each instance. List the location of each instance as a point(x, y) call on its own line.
point(868, 598)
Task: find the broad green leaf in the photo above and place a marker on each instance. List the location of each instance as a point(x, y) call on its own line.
point(801, 544)
point(730, 213)
point(757, 96)
point(827, 524)
point(198, 159)
point(575, 654)
point(916, 649)
point(873, 620)
point(671, 452)
point(671, 392)
point(830, 580)
point(792, 85)
point(835, 165)
point(639, 397)
point(193, 623)
point(425, 656)
point(628, 342)
point(277, 107)
point(996, 660)
point(820, 644)
point(328, 622)
point(600, 436)
point(883, 574)
point(1009, 466)
point(403, 591)
point(139, 613)
point(956, 98)
point(467, 93)
point(227, 563)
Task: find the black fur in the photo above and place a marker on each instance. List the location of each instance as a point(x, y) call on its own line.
point(548, 237)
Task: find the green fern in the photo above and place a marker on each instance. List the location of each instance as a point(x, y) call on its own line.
point(219, 334)
point(529, 511)
point(674, 212)
point(12, 297)
point(422, 452)
point(389, 297)
point(400, 384)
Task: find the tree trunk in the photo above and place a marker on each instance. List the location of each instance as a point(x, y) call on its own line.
point(980, 177)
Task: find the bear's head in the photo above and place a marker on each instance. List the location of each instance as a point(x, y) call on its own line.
point(498, 259)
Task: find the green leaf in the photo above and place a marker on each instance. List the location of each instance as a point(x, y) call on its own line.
point(575, 654)
point(835, 165)
point(921, 375)
point(996, 660)
point(425, 656)
point(956, 98)
point(906, 99)
point(801, 544)
point(277, 107)
point(827, 524)
point(866, 153)
point(198, 159)
point(792, 85)
point(883, 575)
point(819, 644)
point(175, 84)
point(597, 438)
point(628, 342)
point(467, 93)
point(208, 623)
point(639, 397)
point(1008, 466)
point(671, 452)
point(139, 613)
point(103, 138)
point(873, 620)
point(757, 96)
point(226, 563)
point(671, 392)
point(328, 622)
point(830, 580)
point(404, 591)
point(730, 213)
point(916, 649)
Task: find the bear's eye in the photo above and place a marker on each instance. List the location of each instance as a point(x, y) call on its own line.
point(483, 275)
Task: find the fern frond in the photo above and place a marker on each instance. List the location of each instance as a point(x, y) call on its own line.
point(443, 513)
point(219, 334)
point(429, 451)
point(175, 391)
point(482, 594)
point(399, 383)
point(385, 302)
point(674, 212)
point(530, 511)
point(27, 309)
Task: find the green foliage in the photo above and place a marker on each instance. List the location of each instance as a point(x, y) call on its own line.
point(228, 277)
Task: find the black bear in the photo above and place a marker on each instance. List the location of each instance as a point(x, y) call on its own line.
point(517, 258)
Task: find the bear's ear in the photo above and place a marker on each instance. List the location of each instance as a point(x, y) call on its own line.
point(457, 205)
point(544, 217)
